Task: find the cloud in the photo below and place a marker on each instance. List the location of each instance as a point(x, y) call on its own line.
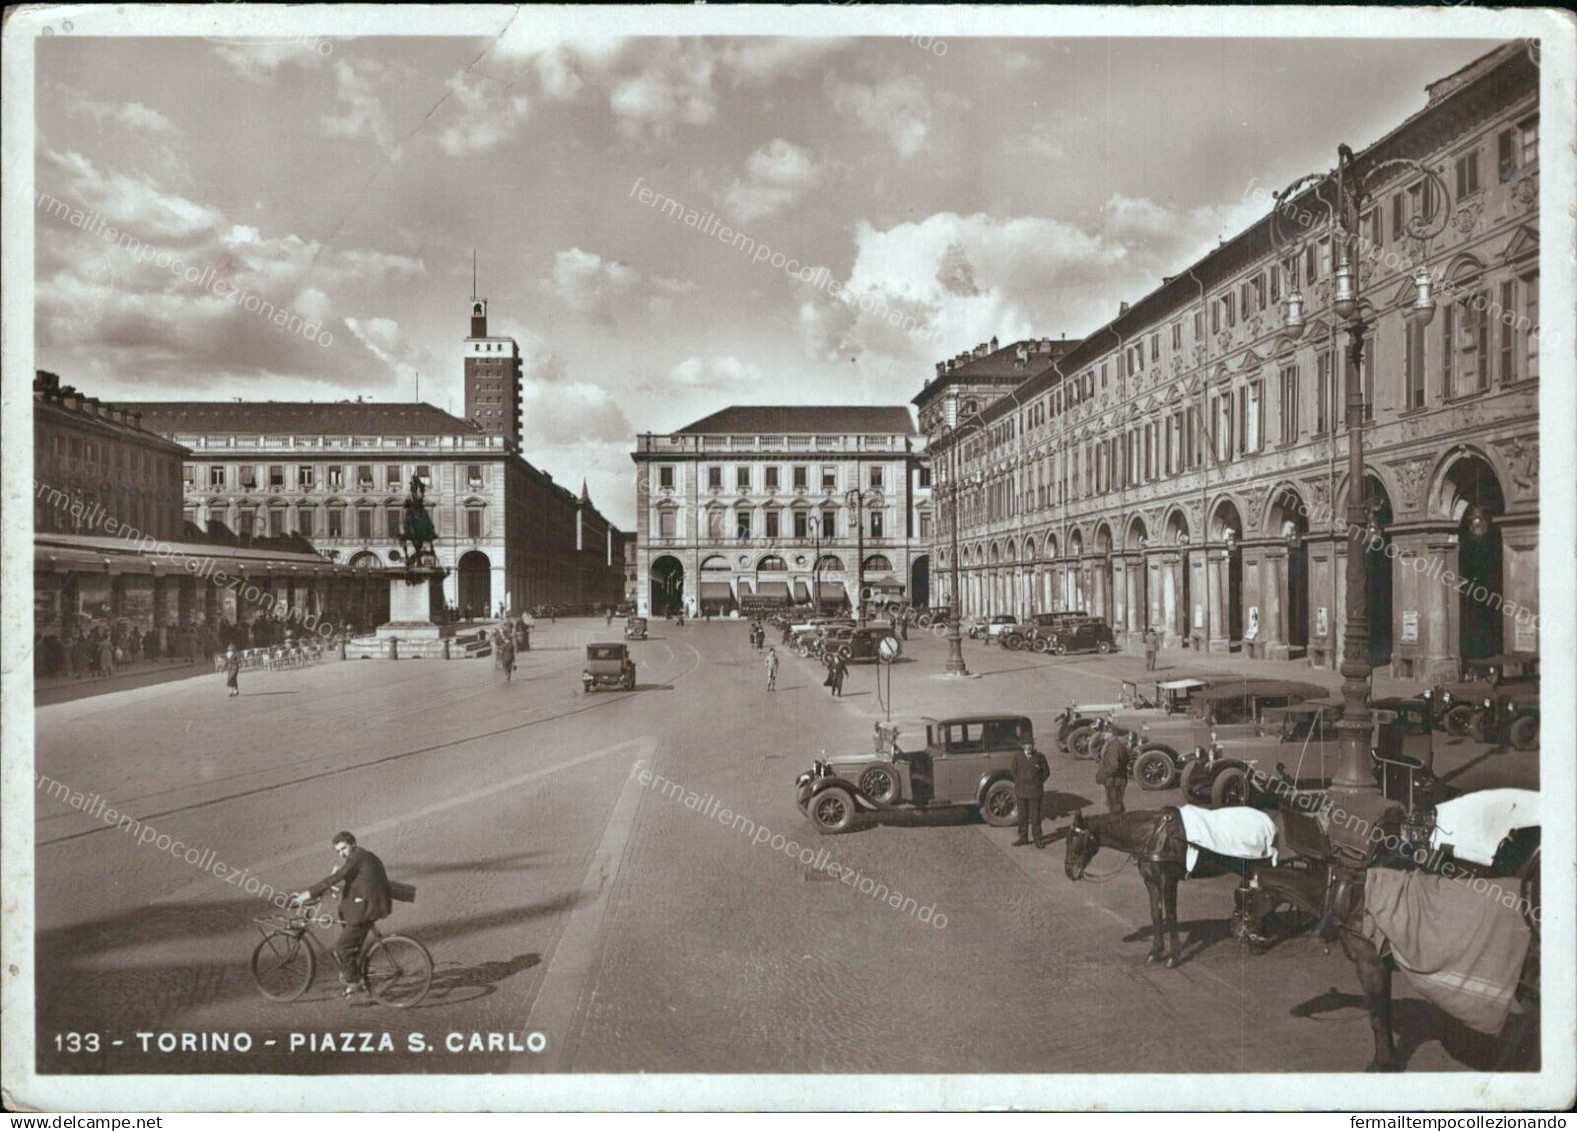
point(896, 107)
point(775, 177)
point(559, 411)
point(488, 113)
point(384, 338)
point(717, 374)
point(589, 284)
point(356, 82)
point(116, 312)
point(260, 61)
point(963, 279)
point(1040, 140)
point(675, 87)
point(130, 115)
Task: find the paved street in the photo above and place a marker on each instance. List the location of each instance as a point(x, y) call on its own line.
point(560, 896)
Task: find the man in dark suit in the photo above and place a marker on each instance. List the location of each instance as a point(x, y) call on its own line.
point(363, 900)
point(1116, 758)
point(1030, 772)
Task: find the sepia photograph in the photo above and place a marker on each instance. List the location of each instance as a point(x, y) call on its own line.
point(841, 557)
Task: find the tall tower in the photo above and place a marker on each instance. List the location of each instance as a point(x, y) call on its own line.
point(492, 376)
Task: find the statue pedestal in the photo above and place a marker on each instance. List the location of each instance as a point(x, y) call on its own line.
point(411, 633)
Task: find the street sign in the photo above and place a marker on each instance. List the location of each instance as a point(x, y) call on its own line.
point(889, 649)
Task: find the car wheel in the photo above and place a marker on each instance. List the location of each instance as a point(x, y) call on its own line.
point(1459, 721)
point(1479, 728)
point(1191, 773)
point(845, 651)
point(1039, 645)
point(1079, 743)
point(1155, 770)
point(1103, 647)
point(880, 784)
point(1230, 788)
point(1000, 807)
point(1058, 648)
point(832, 810)
point(1525, 733)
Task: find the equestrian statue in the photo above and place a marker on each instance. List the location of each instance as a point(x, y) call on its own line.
point(416, 531)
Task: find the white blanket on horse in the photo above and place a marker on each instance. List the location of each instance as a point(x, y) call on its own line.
point(1236, 831)
point(1475, 823)
point(1460, 947)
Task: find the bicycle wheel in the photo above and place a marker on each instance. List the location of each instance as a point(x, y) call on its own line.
point(399, 971)
point(283, 966)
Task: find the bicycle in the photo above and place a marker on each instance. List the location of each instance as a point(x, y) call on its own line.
point(398, 969)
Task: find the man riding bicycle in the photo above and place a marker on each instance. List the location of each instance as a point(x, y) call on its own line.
point(364, 899)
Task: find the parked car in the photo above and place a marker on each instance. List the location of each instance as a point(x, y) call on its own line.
point(1509, 716)
point(608, 665)
point(1034, 632)
point(962, 762)
point(991, 628)
point(858, 644)
point(1087, 634)
point(1228, 709)
point(635, 628)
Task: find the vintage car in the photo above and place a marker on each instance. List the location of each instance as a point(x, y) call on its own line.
point(863, 644)
point(1508, 716)
point(1085, 634)
point(930, 764)
point(992, 627)
point(635, 628)
point(1455, 703)
point(1228, 709)
point(1034, 632)
point(1139, 702)
point(608, 665)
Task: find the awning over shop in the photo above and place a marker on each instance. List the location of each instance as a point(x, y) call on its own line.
point(773, 590)
point(716, 591)
point(801, 592)
point(887, 585)
point(832, 591)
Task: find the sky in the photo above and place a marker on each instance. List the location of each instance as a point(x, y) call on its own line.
point(933, 194)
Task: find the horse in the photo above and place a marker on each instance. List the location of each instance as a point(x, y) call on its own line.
point(416, 529)
point(1334, 888)
point(1156, 840)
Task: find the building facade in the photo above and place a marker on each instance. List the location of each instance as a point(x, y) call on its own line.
point(1184, 466)
point(336, 475)
point(112, 553)
point(751, 507)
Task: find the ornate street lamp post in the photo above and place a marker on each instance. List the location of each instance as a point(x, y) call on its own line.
point(857, 501)
point(1353, 192)
point(955, 637)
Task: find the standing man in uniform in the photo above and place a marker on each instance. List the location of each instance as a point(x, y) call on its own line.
point(1152, 645)
point(772, 669)
point(1113, 770)
point(1030, 772)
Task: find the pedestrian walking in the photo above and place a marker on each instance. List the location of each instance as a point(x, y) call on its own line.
point(1030, 772)
point(840, 668)
point(1152, 646)
point(106, 657)
point(1113, 771)
point(772, 669)
point(233, 672)
point(506, 658)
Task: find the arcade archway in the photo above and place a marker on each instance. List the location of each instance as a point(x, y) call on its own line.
point(667, 586)
point(475, 597)
point(1472, 495)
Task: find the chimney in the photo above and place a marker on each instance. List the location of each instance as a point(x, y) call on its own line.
point(1022, 353)
point(941, 368)
point(1122, 308)
point(993, 343)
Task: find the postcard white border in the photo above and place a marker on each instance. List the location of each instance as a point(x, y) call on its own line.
point(1550, 1088)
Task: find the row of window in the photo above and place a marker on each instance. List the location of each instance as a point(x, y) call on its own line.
point(1480, 336)
point(804, 524)
point(799, 477)
point(121, 457)
point(272, 522)
point(304, 477)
